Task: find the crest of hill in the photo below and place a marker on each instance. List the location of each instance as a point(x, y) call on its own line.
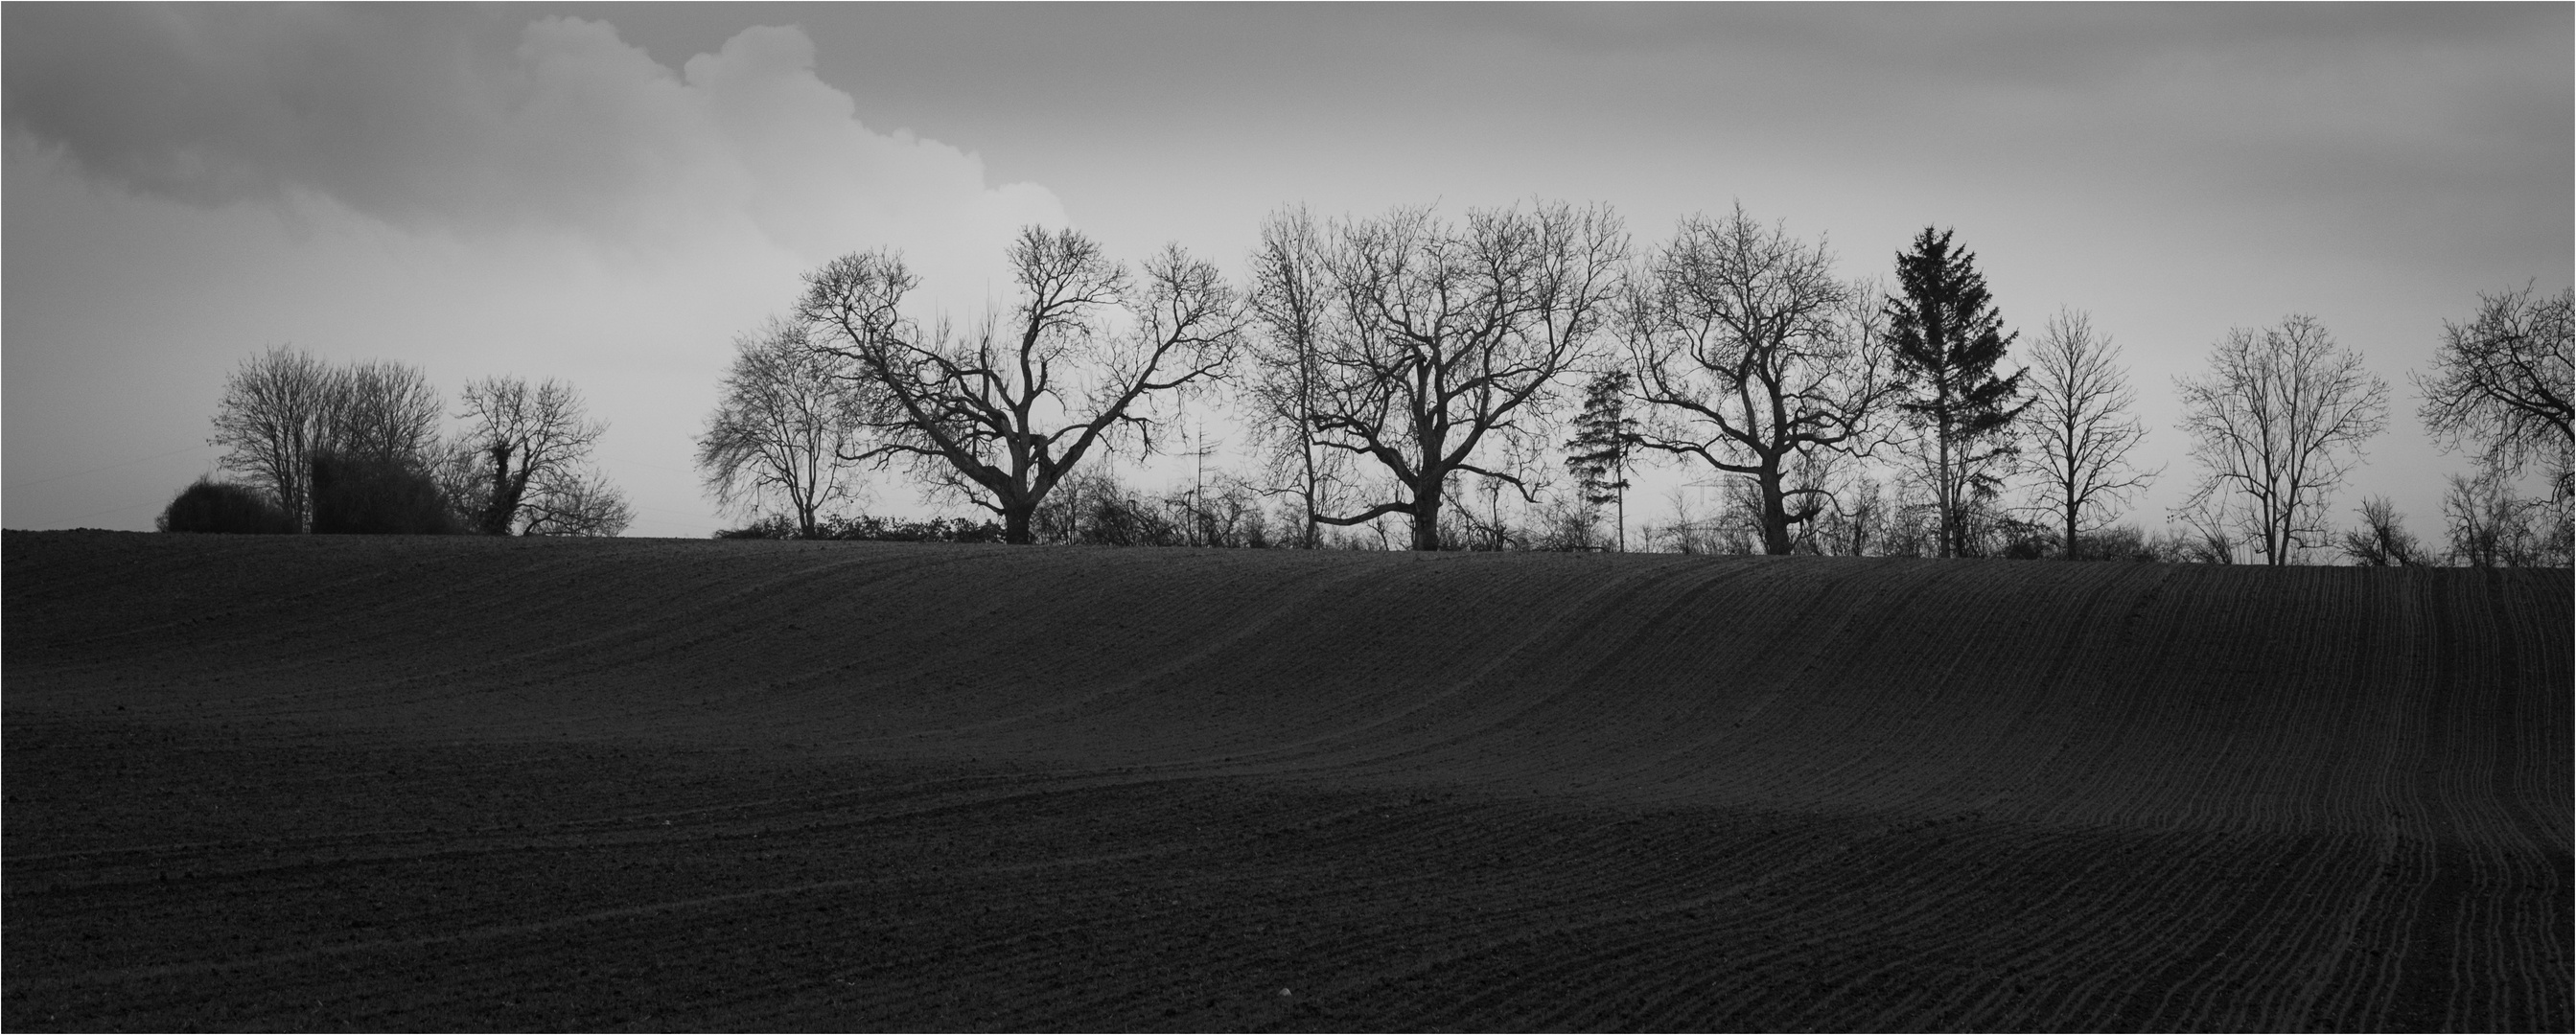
point(2435, 702)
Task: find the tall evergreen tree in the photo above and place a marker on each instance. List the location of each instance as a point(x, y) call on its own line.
point(1604, 437)
point(1947, 338)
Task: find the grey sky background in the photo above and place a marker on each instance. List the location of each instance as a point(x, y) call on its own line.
point(609, 193)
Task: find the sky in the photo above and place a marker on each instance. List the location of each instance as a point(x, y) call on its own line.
point(610, 193)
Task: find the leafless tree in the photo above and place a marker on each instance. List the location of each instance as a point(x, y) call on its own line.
point(524, 453)
point(2382, 540)
point(1291, 302)
point(1002, 415)
point(381, 413)
point(2505, 383)
point(284, 411)
point(2276, 424)
point(1453, 338)
point(2082, 425)
point(2489, 527)
point(781, 426)
point(576, 501)
point(1750, 355)
point(271, 420)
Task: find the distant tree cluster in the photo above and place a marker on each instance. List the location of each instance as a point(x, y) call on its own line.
point(870, 528)
point(357, 449)
point(1413, 380)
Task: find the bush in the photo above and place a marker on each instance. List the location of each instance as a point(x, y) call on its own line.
point(2122, 543)
point(873, 529)
point(370, 496)
point(213, 506)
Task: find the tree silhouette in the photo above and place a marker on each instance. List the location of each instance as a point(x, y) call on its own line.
point(1604, 438)
point(2082, 426)
point(2276, 424)
point(1291, 300)
point(1947, 338)
point(524, 459)
point(1753, 356)
point(2505, 381)
point(1450, 342)
point(270, 420)
point(781, 426)
point(1002, 415)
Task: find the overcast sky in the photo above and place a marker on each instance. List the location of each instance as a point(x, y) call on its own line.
point(608, 193)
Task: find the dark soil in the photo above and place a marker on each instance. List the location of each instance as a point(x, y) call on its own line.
point(461, 783)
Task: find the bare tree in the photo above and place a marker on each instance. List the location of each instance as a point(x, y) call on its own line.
point(271, 420)
point(2505, 382)
point(381, 413)
point(576, 501)
point(1001, 416)
point(2382, 540)
point(1751, 355)
point(2276, 424)
point(524, 451)
point(1291, 302)
point(2082, 426)
point(1453, 338)
point(781, 427)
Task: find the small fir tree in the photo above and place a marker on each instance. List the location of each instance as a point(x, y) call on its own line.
point(1604, 438)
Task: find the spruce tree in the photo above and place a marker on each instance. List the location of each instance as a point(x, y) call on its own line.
point(1603, 439)
point(1948, 338)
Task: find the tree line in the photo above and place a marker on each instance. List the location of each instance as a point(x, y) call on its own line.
point(1425, 370)
point(358, 448)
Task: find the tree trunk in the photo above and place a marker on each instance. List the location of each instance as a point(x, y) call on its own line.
point(1949, 501)
point(1015, 523)
point(1426, 520)
point(1623, 515)
point(2072, 553)
point(504, 504)
point(1775, 512)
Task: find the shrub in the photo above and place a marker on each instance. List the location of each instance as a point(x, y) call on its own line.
point(213, 506)
point(2122, 543)
point(378, 496)
point(874, 529)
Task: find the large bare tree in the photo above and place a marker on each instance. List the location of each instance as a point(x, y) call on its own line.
point(2276, 424)
point(1002, 415)
point(1452, 338)
point(2082, 425)
point(781, 426)
point(271, 420)
point(1291, 301)
point(1751, 355)
point(2505, 382)
point(524, 456)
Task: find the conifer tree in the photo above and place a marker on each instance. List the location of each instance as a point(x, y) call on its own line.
point(1948, 337)
point(1604, 437)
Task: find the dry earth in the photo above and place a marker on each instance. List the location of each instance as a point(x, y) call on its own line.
point(468, 783)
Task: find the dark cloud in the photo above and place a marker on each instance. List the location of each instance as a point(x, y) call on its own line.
point(447, 118)
point(223, 103)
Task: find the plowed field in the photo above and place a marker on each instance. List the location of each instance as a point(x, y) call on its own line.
point(467, 783)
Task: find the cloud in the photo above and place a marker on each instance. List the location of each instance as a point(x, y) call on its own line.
point(445, 121)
